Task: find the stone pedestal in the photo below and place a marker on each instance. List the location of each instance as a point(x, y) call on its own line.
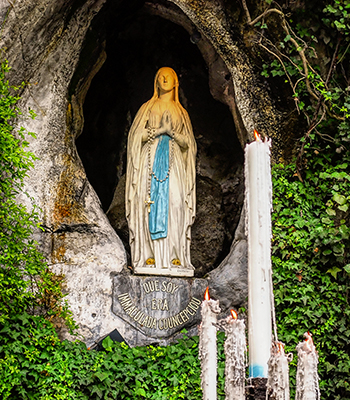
point(158, 306)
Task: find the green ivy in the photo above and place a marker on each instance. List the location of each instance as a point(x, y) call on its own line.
point(35, 364)
point(310, 255)
point(26, 283)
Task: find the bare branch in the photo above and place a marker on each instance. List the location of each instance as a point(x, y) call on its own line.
point(324, 136)
point(296, 100)
point(299, 49)
point(301, 52)
point(247, 13)
point(266, 12)
point(297, 82)
point(330, 71)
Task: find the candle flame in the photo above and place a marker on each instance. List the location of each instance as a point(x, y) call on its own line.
point(309, 344)
point(206, 294)
point(234, 314)
point(256, 135)
point(280, 346)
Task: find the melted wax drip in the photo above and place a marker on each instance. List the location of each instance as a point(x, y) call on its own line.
point(307, 376)
point(278, 376)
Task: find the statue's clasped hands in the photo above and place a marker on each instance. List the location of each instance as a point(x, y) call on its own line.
point(165, 125)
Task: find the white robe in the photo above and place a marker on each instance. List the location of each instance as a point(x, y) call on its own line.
point(182, 197)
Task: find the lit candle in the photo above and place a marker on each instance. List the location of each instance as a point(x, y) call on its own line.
point(207, 346)
point(307, 376)
point(235, 352)
point(278, 376)
point(258, 202)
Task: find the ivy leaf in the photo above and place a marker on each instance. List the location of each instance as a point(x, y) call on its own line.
point(333, 271)
point(343, 207)
point(107, 343)
point(330, 211)
point(339, 198)
point(347, 268)
point(101, 375)
point(141, 392)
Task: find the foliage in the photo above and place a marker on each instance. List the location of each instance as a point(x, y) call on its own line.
point(311, 266)
point(35, 364)
point(305, 48)
point(26, 283)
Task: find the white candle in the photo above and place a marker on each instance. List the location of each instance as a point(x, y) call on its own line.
point(207, 346)
point(278, 375)
point(307, 376)
point(235, 352)
point(258, 202)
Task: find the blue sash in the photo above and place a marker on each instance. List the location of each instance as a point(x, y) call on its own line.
point(158, 217)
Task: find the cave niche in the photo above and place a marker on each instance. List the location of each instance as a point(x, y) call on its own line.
point(125, 46)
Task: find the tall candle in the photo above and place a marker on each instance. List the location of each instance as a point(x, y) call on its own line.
point(258, 202)
point(235, 352)
point(307, 376)
point(278, 376)
point(207, 347)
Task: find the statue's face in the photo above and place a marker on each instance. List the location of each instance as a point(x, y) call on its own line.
point(166, 80)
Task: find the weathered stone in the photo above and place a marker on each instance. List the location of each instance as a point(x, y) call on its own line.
point(43, 48)
point(158, 306)
point(209, 230)
point(116, 214)
point(229, 281)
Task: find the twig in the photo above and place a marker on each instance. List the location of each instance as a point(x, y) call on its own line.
point(301, 52)
point(324, 136)
point(266, 12)
point(297, 82)
point(296, 100)
point(247, 13)
point(279, 59)
point(333, 61)
point(314, 122)
point(299, 49)
point(341, 58)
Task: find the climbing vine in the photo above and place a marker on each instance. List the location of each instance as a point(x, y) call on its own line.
point(26, 283)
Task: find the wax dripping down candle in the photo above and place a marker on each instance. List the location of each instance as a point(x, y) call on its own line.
point(258, 203)
point(307, 376)
point(207, 346)
point(278, 376)
point(235, 353)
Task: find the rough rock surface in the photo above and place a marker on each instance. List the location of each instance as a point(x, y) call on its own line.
point(48, 44)
point(229, 281)
point(78, 240)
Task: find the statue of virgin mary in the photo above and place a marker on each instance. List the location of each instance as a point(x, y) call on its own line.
point(160, 182)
